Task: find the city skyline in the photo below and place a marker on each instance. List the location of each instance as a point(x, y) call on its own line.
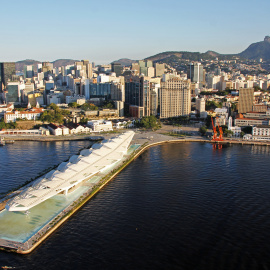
point(112, 30)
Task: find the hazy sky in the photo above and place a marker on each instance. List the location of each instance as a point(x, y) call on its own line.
point(103, 31)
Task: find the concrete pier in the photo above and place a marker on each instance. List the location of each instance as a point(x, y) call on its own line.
point(145, 140)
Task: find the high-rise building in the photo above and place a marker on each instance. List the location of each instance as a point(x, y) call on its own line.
point(80, 70)
point(89, 70)
point(28, 71)
point(47, 66)
point(195, 72)
point(39, 68)
point(200, 105)
point(160, 69)
point(100, 90)
point(246, 98)
point(117, 68)
point(153, 101)
point(7, 70)
point(136, 68)
point(175, 98)
point(144, 65)
point(137, 93)
point(141, 63)
point(47, 69)
point(151, 72)
point(144, 71)
point(145, 98)
point(133, 90)
point(148, 63)
point(83, 69)
point(14, 92)
point(119, 105)
point(117, 91)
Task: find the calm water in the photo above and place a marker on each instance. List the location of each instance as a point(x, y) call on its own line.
point(21, 161)
point(178, 206)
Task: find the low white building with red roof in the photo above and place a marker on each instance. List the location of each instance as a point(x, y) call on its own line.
point(28, 114)
point(55, 130)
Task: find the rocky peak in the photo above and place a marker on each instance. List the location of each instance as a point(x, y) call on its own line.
point(267, 39)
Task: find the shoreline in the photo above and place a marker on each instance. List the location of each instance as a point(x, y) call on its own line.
point(110, 176)
point(53, 138)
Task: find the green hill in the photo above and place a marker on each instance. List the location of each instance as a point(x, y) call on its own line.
point(258, 50)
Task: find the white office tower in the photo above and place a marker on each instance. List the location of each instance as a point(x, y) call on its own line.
point(39, 68)
point(230, 123)
point(200, 105)
point(119, 105)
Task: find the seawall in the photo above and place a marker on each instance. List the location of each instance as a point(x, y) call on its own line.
point(52, 138)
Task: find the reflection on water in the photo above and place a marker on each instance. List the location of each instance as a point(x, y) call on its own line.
point(256, 149)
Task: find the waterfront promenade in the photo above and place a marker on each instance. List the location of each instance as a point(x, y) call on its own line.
point(142, 136)
point(51, 138)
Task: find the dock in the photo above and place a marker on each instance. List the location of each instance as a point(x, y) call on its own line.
point(142, 141)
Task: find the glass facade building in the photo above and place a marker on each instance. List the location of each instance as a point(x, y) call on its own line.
point(100, 90)
point(7, 70)
point(137, 92)
point(117, 68)
point(13, 95)
point(195, 72)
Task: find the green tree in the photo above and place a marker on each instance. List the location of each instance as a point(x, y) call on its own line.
point(84, 121)
point(59, 118)
point(54, 107)
point(73, 105)
point(257, 88)
point(11, 125)
point(2, 124)
point(148, 122)
point(212, 105)
point(233, 107)
point(108, 105)
point(203, 130)
point(65, 112)
point(89, 107)
point(46, 117)
point(229, 133)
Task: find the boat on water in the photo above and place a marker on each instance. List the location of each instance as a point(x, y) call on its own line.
point(69, 175)
point(9, 141)
point(2, 142)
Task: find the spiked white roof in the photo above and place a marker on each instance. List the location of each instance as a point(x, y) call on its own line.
point(69, 174)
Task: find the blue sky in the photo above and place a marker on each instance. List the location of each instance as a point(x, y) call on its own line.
point(103, 31)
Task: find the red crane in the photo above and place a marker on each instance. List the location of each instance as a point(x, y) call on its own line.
point(220, 133)
point(216, 138)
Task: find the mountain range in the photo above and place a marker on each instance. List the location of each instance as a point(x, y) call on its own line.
point(255, 51)
point(56, 63)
